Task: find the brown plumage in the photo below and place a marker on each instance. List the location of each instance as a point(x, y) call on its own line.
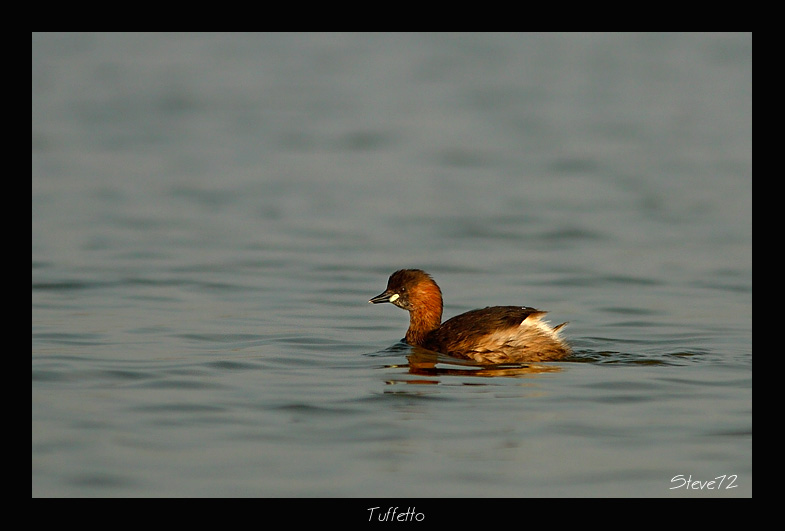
point(497, 334)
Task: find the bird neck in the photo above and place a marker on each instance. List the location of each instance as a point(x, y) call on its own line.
point(425, 315)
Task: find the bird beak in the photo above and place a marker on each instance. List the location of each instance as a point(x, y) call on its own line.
point(383, 297)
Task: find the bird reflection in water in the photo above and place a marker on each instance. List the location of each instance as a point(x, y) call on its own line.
point(423, 362)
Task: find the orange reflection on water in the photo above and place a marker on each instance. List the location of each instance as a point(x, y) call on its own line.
point(424, 362)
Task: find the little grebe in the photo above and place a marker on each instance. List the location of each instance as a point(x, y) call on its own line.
point(497, 334)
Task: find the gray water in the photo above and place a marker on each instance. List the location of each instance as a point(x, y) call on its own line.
point(211, 214)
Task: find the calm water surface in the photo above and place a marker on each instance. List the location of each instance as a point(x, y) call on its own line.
point(211, 213)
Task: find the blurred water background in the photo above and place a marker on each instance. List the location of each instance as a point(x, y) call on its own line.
point(212, 212)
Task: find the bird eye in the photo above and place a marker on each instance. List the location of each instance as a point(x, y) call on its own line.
point(403, 289)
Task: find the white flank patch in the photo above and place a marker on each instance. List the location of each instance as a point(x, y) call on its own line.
point(542, 326)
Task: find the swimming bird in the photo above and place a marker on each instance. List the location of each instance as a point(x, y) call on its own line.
point(492, 335)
